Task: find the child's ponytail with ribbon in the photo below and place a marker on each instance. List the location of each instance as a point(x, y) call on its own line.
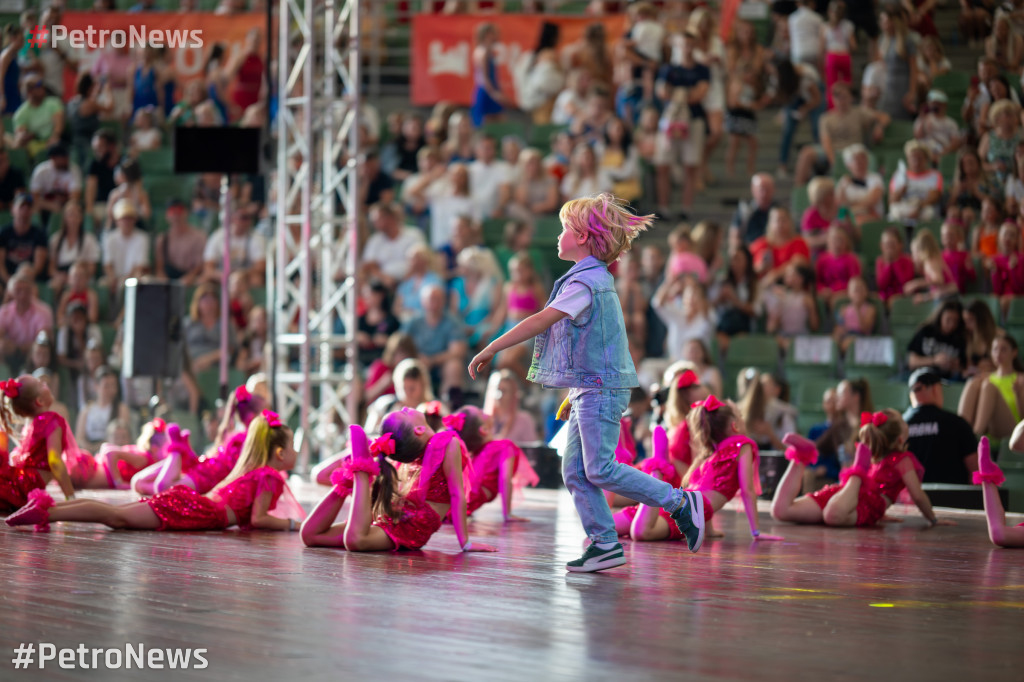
point(881, 432)
point(709, 422)
point(468, 422)
point(17, 399)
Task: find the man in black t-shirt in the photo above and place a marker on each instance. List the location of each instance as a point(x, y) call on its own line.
point(22, 242)
point(942, 440)
point(99, 177)
point(11, 180)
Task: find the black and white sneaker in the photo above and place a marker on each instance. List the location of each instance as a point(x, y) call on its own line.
point(689, 517)
point(597, 559)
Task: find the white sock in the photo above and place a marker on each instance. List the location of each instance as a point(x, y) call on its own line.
point(604, 546)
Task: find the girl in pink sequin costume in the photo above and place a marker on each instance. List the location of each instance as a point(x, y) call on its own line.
point(253, 496)
point(499, 466)
point(182, 467)
point(725, 463)
point(47, 450)
point(989, 476)
point(881, 470)
point(121, 462)
point(390, 510)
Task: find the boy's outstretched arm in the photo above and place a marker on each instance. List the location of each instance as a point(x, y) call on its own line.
point(524, 331)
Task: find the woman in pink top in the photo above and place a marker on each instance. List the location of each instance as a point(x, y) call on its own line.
point(956, 255)
point(1008, 267)
point(836, 266)
point(894, 268)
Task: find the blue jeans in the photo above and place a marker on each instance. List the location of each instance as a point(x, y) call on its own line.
point(589, 466)
point(789, 126)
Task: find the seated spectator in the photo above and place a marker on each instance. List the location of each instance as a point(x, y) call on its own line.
point(248, 251)
point(535, 191)
point(73, 338)
point(387, 252)
point(22, 318)
point(931, 63)
point(682, 259)
point(452, 199)
point(79, 291)
point(522, 296)
point(778, 412)
point(184, 112)
point(502, 403)
point(846, 124)
point(206, 199)
point(998, 146)
point(253, 344)
point(398, 158)
point(476, 294)
point(460, 147)
point(981, 330)
point(820, 215)
point(99, 178)
point(942, 440)
point(935, 128)
point(837, 266)
point(753, 407)
point(125, 249)
point(1008, 267)
point(839, 441)
point(55, 182)
point(751, 218)
point(91, 429)
point(707, 238)
point(21, 242)
point(42, 356)
point(128, 175)
point(379, 382)
point(734, 295)
point(893, 268)
point(179, 251)
point(203, 329)
point(39, 121)
point(956, 255)
point(376, 322)
point(585, 178)
point(991, 403)
point(915, 189)
point(440, 339)
point(83, 112)
point(69, 245)
point(587, 127)
point(934, 279)
point(696, 352)
point(87, 388)
point(145, 137)
point(860, 191)
point(12, 181)
point(999, 90)
point(780, 245)
point(857, 317)
point(1005, 46)
point(422, 273)
point(377, 186)
point(488, 175)
point(419, 188)
point(827, 468)
point(941, 342)
point(115, 66)
point(411, 382)
point(618, 159)
point(571, 101)
point(790, 307)
point(683, 306)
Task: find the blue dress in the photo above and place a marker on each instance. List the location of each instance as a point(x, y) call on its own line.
point(12, 93)
point(483, 104)
point(144, 91)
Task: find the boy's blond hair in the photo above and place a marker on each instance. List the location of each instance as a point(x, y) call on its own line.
point(606, 222)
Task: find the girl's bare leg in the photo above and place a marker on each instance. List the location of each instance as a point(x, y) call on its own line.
point(133, 516)
point(787, 505)
point(319, 529)
point(169, 474)
point(360, 534)
point(993, 416)
point(322, 472)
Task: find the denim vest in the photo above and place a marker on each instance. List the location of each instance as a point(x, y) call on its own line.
point(591, 351)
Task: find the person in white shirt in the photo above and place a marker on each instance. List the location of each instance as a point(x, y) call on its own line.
point(805, 32)
point(937, 130)
point(487, 175)
point(55, 181)
point(125, 249)
point(387, 251)
point(248, 251)
point(571, 101)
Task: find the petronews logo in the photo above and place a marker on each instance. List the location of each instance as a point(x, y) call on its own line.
point(135, 36)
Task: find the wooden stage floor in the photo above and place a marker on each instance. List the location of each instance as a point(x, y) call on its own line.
point(894, 603)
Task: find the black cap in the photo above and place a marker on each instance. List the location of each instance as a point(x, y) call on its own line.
point(926, 376)
point(57, 150)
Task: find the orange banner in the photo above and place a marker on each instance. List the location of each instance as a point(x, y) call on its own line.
point(442, 50)
point(185, 31)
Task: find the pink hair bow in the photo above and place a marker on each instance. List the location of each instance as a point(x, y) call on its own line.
point(273, 420)
point(433, 408)
point(878, 418)
point(687, 379)
point(454, 421)
point(242, 393)
point(11, 388)
point(711, 403)
point(159, 425)
point(383, 445)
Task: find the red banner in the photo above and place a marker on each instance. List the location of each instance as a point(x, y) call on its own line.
point(185, 31)
point(442, 50)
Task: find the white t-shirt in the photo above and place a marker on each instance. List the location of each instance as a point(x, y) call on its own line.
point(47, 180)
point(573, 299)
point(1014, 188)
point(392, 255)
point(805, 35)
point(87, 249)
point(837, 38)
point(874, 76)
point(125, 253)
point(939, 133)
point(443, 212)
point(565, 104)
point(856, 193)
point(485, 181)
point(649, 37)
point(246, 250)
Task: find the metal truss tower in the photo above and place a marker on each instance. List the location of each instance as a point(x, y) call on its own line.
point(312, 276)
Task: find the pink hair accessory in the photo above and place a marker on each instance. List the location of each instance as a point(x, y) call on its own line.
point(433, 408)
point(877, 419)
point(454, 421)
point(159, 425)
point(687, 379)
point(11, 388)
point(242, 394)
point(383, 445)
point(273, 421)
point(711, 403)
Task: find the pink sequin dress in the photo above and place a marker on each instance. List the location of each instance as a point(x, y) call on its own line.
point(678, 451)
point(882, 487)
point(16, 483)
point(32, 453)
point(208, 471)
point(415, 521)
point(182, 508)
point(487, 464)
point(720, 472)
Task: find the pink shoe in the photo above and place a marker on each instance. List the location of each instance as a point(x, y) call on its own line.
point(358, 442)
point(800, 449)
point(659, 443)
point(35, 512)
point(861, 465)
point(362, 458)
point(988, 471)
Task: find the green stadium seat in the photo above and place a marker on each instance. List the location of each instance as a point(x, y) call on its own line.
point(157, 161)
point(500, 130)
point(904, 312)
point(811, 357)
point(872, 357)
point(890, 394)
point(751, 350)
point(951, 393)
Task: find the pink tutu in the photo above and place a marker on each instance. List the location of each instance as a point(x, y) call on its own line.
point(412, 526)
point(182, 508)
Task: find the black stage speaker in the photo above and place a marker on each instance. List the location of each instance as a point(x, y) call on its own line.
point(154, 332)
point(217, 150)
point(546, 462)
